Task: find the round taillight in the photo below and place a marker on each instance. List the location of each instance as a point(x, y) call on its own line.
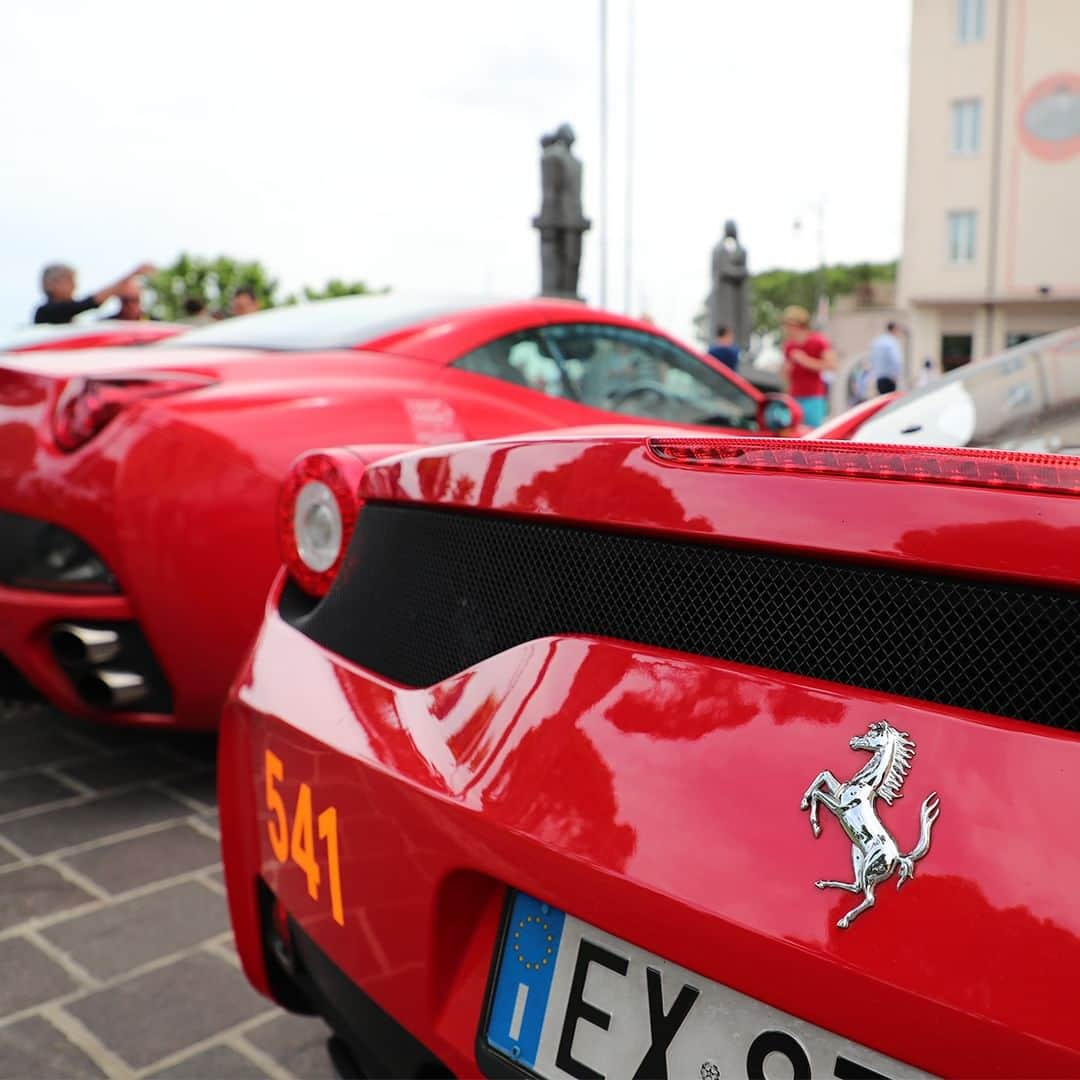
point(316, 517)
point(317, 526)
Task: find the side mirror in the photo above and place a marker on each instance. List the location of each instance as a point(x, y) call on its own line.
point(779, 412)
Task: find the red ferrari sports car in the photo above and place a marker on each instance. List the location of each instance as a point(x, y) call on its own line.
point(138, 486)
point(649, 757)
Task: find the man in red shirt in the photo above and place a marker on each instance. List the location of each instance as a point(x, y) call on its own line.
point(806, 356)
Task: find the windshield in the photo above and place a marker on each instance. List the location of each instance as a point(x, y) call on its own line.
point(341, 323)
point(1027, 398)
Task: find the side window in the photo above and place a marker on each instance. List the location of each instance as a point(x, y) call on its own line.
point(617, 370)
point(639, 374)
point(521, 359)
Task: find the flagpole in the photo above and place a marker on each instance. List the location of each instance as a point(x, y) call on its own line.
point(602, 216)
point(823, 301)
point(628, 283)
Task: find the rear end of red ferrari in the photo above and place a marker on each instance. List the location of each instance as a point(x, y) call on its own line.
point(137, 495)
point(70, 627)
point(700, 758)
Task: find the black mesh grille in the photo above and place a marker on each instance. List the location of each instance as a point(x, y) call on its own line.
point(426, 593)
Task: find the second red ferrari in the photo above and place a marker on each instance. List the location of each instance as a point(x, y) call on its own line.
point(138, 486)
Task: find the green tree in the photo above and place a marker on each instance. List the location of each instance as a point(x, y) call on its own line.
point(336, 287)
point(773, 290)
point(213, 281)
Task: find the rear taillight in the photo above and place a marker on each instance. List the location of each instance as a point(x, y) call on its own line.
point(86, 405)
point(1047, 473)
point(316, 516)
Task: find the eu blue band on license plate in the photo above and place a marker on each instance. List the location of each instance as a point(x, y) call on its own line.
point(569, 999)
point(519, 1002)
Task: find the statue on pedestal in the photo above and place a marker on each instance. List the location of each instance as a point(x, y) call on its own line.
point(729, 300)
point(561, 221)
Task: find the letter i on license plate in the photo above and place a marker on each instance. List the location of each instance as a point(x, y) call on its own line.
point(568, 999)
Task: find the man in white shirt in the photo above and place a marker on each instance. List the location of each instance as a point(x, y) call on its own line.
point(886, 360)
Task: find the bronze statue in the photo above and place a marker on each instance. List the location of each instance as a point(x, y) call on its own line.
point(561, 221)
point(729, 300)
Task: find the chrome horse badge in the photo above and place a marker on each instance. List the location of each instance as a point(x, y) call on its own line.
point(874, 853)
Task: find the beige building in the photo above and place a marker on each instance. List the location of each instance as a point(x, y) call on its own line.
point(992, 217)
point(855, 320)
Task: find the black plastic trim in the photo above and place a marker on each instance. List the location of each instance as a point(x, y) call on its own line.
point(379, 1045)
point(14, 686)
point(23, 543)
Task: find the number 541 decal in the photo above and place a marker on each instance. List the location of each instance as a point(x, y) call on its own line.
point(300, 843)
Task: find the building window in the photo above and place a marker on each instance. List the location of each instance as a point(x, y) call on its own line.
point(966, 126)
point(962, 236)
point(970, 21)
point(956, 350)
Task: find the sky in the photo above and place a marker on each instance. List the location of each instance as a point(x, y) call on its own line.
point(397, 142)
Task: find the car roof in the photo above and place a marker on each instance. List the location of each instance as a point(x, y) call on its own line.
point(432, 328)
point(341, 323)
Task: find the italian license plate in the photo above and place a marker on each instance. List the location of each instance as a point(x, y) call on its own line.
point(568, 999)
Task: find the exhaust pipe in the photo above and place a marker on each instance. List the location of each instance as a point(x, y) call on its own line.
point(84, 644)
point(106, 689)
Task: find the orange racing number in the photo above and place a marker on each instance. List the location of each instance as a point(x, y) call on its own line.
point(299, 845)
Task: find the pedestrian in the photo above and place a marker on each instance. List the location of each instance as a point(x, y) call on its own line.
point(807, 356)
point(244, 301)
point(859, 382)
point(58, 284)
point(927, 374)
point(196, 313)
point(130, 296)
point(724, 348)
point(886, 360)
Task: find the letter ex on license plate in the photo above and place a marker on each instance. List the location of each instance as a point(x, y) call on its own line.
point(569, 1000)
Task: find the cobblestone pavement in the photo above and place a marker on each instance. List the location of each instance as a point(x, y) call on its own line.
point(116, 957)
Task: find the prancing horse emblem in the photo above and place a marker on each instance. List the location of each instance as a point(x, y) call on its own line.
point(874, 853)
